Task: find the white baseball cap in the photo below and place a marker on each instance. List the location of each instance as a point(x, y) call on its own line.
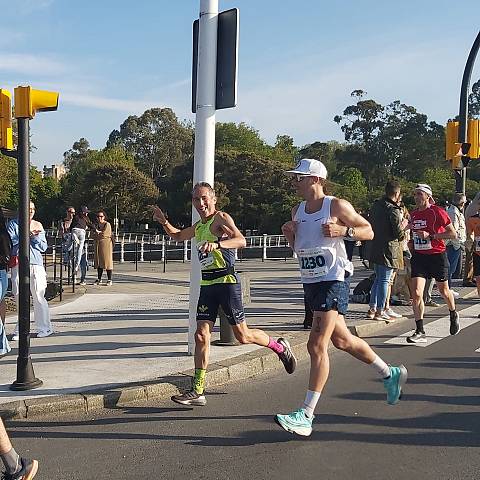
point(309, 166)
point(423, 187)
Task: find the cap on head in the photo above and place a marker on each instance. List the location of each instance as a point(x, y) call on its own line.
point(84, 209)
point(309, 166)
point(423, 187)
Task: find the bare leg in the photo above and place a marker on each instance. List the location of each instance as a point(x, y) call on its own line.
point(446, 293)
point(5, 444)
point(355, 346)
point(202, 343)
point(322, 329)
point(247, 335)
point(418, 285)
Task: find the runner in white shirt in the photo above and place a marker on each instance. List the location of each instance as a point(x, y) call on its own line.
point(316, 232)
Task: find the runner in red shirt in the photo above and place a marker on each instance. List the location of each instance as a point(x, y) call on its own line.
point(430, 226)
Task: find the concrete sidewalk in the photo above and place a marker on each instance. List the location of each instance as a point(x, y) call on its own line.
point(134, 334)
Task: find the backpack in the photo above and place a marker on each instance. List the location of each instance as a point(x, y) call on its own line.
point(361, 293)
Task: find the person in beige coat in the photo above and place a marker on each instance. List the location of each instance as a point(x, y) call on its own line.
point(103, 248)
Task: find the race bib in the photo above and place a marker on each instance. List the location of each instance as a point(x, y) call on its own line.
point(477, 244)
point(421, 243)
point(205, 259)
point(313, 263)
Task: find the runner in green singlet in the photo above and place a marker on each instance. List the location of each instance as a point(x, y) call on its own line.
point(216, 238)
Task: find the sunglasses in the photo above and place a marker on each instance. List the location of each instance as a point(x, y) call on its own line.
point(100, 216)
point(299, 177)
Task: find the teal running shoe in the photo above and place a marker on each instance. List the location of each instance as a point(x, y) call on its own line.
point(296, 422)
point(393, 384)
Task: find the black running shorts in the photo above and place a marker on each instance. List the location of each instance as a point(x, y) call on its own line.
point(433, 265)
point(225, 295)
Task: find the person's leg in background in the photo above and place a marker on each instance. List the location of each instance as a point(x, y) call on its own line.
point(468, 280)
point(427, 294)
point(453, 256)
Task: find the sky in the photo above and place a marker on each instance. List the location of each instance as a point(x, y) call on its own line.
point(298, 62)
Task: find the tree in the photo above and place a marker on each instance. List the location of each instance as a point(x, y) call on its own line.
point(157, 140)
point(474, 100)
point(78, 152)
point(351, 185)
point(239, 137)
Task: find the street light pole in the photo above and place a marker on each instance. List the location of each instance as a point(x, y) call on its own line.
point(461, 175)
point(203, 164)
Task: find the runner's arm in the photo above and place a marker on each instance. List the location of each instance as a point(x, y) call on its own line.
point(173, 232)
point(347, 217)
point(235, 237)
point(448, 234)
point(289, 228)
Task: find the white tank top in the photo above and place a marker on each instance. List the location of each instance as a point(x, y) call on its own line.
point(320, 258)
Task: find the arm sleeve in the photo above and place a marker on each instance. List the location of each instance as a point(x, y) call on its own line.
point(13, 232)
point(395, 221)
point(39, 242)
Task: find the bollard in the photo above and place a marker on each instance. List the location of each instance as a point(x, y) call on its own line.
point(264, 253)
point(185, 251)
point(54, 259)
point(164, 254)
point(122, 250)
point(136, 255)
point(141, 250)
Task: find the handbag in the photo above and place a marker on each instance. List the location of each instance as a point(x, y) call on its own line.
point(13, 261)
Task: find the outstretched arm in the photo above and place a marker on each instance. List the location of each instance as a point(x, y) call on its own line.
point(175, 233)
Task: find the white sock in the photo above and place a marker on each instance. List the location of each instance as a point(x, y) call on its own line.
point(311, 400)
point(381, 367)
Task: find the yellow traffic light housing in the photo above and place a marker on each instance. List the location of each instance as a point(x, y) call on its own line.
point(6, 134)
point(28, 101)
point(473, 138)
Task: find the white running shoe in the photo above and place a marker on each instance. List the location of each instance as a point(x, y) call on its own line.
point(454, 293)
point(383, 317)
point(392, 314)
point(44, 334)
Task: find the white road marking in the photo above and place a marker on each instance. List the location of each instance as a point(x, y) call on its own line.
point(440, 329)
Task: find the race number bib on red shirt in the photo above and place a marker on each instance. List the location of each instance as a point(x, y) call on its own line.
point(432, 220)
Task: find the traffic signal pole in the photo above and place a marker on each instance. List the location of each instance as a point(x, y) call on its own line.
point(204, 152)
point(26, 379)
point(461, 175)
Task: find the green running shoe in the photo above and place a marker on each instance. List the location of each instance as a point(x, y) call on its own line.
point(393, 384)
point(296, 422)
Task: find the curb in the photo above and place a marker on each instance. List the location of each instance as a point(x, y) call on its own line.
point(219, 373)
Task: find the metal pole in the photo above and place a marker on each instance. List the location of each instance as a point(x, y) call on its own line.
point(26, 379)
point(116, 214)
point(461, 176)
point(203, 164)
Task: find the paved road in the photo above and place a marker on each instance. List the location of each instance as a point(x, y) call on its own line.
point(433, 434)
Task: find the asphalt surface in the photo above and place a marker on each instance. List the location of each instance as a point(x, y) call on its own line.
point(432, 434)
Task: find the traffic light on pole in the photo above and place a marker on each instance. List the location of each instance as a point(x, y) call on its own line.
point(473, 138)
point(6, 134)
point(28, 101)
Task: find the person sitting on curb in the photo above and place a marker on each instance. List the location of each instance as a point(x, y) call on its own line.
point(216, 238)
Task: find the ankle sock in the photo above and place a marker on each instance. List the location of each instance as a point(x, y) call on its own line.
point(275, 346)
point(11, 460)
point(199, 380)
point(311, 400)
point(381, 367)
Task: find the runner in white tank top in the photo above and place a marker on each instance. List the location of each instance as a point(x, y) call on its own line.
point(316, 233)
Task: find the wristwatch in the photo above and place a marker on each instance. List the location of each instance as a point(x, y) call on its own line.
point(350, 232)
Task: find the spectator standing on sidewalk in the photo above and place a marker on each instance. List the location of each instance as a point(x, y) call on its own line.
point(79, 226)
point(5, 249)
point(103, 247)
point(65, 233)
point(471, 210)
point(473, 228)
point(456, 245)
point(38, 276)
point(385, 250)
